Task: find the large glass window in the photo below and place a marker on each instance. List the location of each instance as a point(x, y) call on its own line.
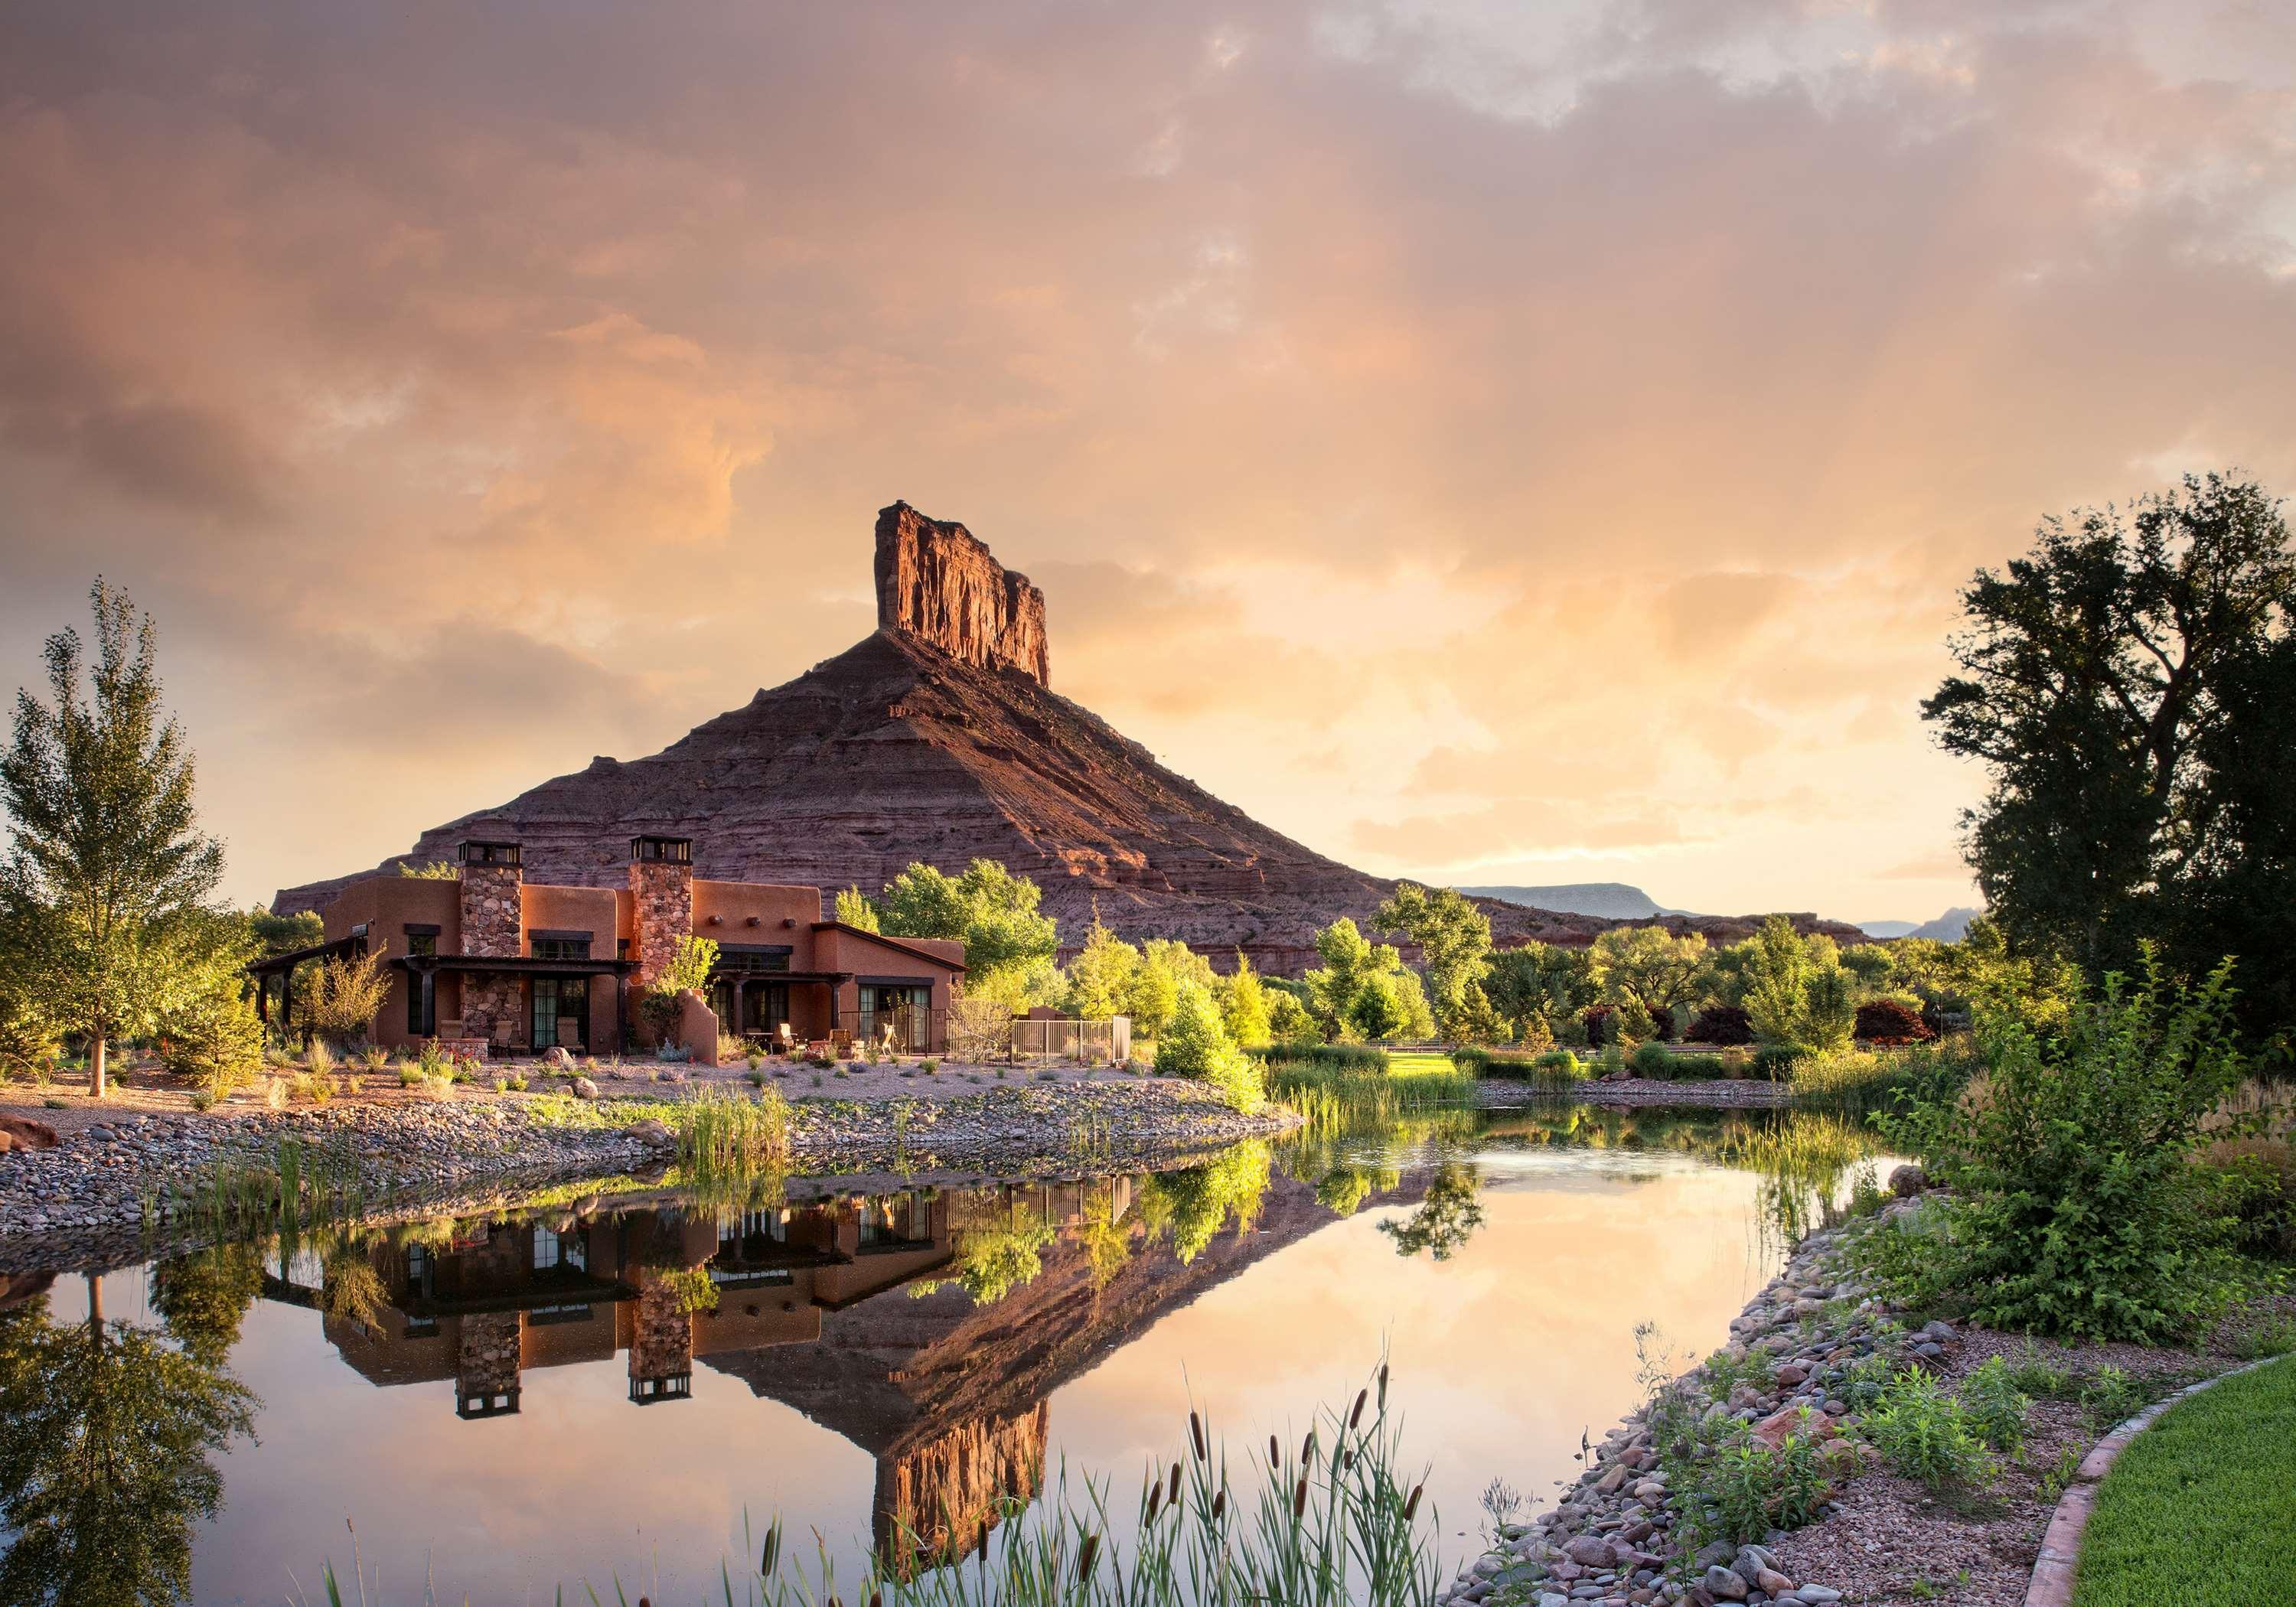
point(561, 999)
point(560, 949)
point(906, 1011)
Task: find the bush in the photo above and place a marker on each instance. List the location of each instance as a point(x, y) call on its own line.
point(1995, 1407)
point(1195, 1045)
point(2257, 1177)
point(212, 1040)
point(1355, 1058)
point(2075, 1207)
point(1923, 1433)
point(1746, 1488)
point(1725, 1024)
point(1595, 1022)
point(1889, 1022)
point(1553, 1068)
point(1776, 1062)
point(1653, 1060)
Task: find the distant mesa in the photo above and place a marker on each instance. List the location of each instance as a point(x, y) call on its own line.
point(1611, 900)
point(939, 738)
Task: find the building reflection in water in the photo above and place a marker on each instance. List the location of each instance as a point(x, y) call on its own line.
point(484, 1305)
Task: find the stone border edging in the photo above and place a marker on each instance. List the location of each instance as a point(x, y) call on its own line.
point(2051, 1584)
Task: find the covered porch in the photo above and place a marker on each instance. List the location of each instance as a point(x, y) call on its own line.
point(521, 1005)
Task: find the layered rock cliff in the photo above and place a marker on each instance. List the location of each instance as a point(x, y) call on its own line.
point(937, 738)
point(939, 583)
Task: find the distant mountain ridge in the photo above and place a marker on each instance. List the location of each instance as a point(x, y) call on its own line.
point(1611, 900)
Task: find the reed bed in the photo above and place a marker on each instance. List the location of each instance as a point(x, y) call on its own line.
point(723, 1133)
point(1359, 1058)
point(1335, 1520)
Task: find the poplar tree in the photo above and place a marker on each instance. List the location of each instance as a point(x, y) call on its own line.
point(106, 875)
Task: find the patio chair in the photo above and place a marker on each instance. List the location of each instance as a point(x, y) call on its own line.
point(786, 1038)
point(841, 1042)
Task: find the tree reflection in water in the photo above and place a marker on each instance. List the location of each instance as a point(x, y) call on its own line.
point(1446, 1219)
point(106, 1465)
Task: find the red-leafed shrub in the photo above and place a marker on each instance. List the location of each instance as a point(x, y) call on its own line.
point(1888, 1021)
point(1721, 1024)
point(1598, 1023)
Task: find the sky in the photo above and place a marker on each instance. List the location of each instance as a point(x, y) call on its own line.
point(1489, 442)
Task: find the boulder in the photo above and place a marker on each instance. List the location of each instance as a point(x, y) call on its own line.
point(583, 1088)
point(1724, 1585)
point(557, 1059)
point(22, 1133)
point(1589, 1550)
point(651, 1132)
point(1908, 1180)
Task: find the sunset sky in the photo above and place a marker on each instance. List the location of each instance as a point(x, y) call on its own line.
point(1490, 442)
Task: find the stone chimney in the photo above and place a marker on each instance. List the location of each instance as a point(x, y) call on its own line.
point(492, 876)
point(661, 900)
point(940, 582)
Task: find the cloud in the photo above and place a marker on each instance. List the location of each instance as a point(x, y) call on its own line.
point(1448, 431)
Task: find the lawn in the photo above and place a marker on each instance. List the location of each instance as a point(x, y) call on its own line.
point(2200, 1509)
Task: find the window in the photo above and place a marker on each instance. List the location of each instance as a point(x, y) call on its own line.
point(753, 958)
point(561, 948)
point(421, 942)
point(421, 1001)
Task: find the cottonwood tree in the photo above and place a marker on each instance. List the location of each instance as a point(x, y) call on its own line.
point(1455, 943)
point(2130, 684)
point(1651, 966)
point(105, 884)
point(1009, 945)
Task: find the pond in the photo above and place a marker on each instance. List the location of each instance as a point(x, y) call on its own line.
point(632, 1388)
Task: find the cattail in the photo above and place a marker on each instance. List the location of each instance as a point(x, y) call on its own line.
point(1087, 1554)
point(1383, 1386)
point(1411, 1507)
point(1196, 1434)
point(773, 1552)
point(1356, 1416)
point(1219, 1504)
point(1346, 1462)
point(1308, 1449)
point(1275, 1451)
point(1300, 1498)
point(876, 1598)
point(1173, 1495)
point(1155, 1502)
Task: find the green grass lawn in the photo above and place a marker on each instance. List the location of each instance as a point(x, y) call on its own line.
point(2200, 1510)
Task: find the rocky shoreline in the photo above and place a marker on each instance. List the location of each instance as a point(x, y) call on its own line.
point(1817, 1340)
point(116, 1189)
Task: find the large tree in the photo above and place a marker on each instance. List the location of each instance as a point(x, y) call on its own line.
point(2128, 684)
point(1455, 943)
point(107, 873)
point(1009, 945)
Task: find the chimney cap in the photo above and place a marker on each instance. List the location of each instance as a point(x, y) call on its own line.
point(479, 850)
point(666, 850)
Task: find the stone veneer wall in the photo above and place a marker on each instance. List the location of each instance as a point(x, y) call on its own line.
point(661, 898)
point(661, 1336)
point(489, 1363)
point(491, 904)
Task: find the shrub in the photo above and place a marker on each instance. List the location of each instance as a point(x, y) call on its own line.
point(1630, 1022)
point(929, 1066)
point(1735, 1064)
point(1195, 1044)
point(1746, 1488)
point(213, 1038)
point(2257, 1177)
point(1355, 1058)
point(409, 1076)
point(1653, 1060)
point(203, 1099)
point(1994, 1405)
point(1889, 1022)
point(344, 995)
point(1776, 1062)
point(1721, 1024)
point(1923, 1433)
point(1595, 1020)
point(374, 1057)
point(2076, 1206)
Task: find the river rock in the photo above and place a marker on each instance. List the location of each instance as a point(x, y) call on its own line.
point(1724, 1585)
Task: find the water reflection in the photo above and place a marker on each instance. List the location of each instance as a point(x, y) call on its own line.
point(107, 1464)
point(927, 1329)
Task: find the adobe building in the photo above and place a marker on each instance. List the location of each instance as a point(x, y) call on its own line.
point(513, 967)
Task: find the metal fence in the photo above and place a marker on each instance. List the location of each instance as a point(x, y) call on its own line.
point(1071, 1037)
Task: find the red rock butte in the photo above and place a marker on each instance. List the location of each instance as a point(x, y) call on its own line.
point(939, 739)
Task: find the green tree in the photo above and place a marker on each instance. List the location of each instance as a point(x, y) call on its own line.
point(107, 874)
point(106, 1464)
point(1166, 967)
point(993, 910)
point(1288, 1020)
point(1651, 966)
point(1195, 1044)
point(436, 870)
point(1243, 1006)
point(1364, 989)
point(267, 934)
point(1455, 943)
point(855, 908)
point(211, 1036)
point(2127, 684)
point(1099, 977)
point(1541, 982)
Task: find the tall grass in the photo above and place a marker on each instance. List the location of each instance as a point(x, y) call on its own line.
point(1337, 1095)
point(1553, 1071)
point(1858, 1081)
point(1333, 1521)
point(724, 1132)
